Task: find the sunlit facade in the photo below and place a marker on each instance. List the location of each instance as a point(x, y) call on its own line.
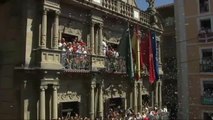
point(194, 25)
point(45, 76)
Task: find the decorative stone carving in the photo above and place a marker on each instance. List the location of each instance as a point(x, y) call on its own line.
point(97, 63)
point(112, 37)
point(71, 27)
point(68, 96)
point(113, 90)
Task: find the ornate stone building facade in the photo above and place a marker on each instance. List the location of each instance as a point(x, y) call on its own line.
point(37, 82)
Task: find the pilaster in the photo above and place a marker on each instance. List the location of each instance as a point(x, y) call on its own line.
point(160, 94)
point(44, 29)
point(157, 94)
point(100, 112)
point(92, 42)
point(140, 96)
point(135, 97)
point(56, 32)
point(101, 52)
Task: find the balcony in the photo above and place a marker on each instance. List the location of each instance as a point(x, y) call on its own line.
point(207, 100)
point(85, 63)
point(205, 36)
point(206, 65)
point(118, 8)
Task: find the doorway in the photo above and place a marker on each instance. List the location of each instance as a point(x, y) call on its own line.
point(69, 38)
point(68, 109)
point(115, 105)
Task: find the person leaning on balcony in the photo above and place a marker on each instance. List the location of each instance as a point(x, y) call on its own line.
point(62, 44)
point(69, 47)
point(104, 47)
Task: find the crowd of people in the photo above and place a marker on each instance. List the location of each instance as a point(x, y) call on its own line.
point(74, 46)
point(147, 114)
point(80, 47)
point(128, 114)
point(75, 117)
point(75, 53)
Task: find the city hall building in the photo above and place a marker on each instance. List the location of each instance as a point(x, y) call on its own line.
point(54, 61)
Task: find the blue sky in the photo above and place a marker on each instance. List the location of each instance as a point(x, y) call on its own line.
point(143, 4)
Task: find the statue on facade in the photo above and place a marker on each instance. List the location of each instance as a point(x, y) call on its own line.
point(151, 3)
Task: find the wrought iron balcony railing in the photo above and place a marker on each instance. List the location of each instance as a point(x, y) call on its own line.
point(88, 62)
point(206, 65)
point(113, 64)
point(207, 100)
point(76, 61)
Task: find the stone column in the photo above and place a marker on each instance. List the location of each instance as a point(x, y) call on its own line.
point(42, 103)
point(55, 36)
point(135, 96)
point(92, 42)
point(25, 100)
point(100, 39)
point(100, 112)
point(140, 97)
point(92, 100)
point(160, 94)
point(44, 29)
point(156, 94)
point(55, 103)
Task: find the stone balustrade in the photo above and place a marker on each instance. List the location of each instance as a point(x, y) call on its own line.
point(120, 8)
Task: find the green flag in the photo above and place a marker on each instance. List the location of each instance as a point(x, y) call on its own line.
point(125, 50)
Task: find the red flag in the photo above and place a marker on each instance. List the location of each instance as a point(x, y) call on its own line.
point(146, 57)
point(151, 62)
point(144, 52)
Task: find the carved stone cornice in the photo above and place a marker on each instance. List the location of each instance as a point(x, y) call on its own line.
point(57, 12)
point(55, 87)
point(69, 96)
point(43, 87)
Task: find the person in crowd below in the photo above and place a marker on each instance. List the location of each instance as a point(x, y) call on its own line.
point(138, 116)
